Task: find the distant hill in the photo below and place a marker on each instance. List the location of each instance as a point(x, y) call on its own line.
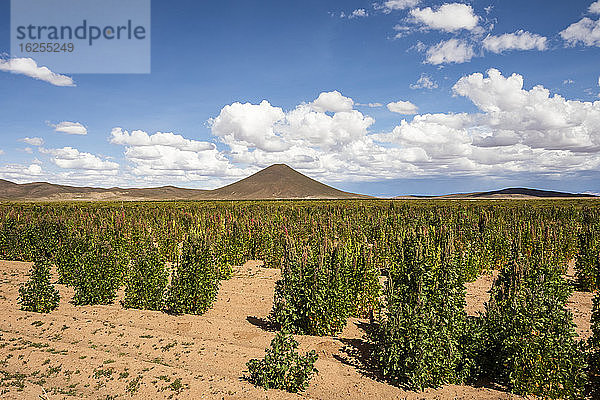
point(47, 192)
point(275, 182)
point(279, 182)
point(509, 193)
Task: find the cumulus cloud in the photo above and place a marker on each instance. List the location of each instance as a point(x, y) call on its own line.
point(539, 119)
point(594, 7)
point(424, 82)
point(34, 141)
point(28, 67)
point(140, 139)
point(450, 51)
point(71, 158)
point(519, 40)
point(333, 102)
point(21, 173)
point(265, 128)
point(251, 125)
point(403, 107)
point(392, 5)
point(170, 156)
point(71, 128)
point(586, 31)
point(515, 131)
point(450, 17)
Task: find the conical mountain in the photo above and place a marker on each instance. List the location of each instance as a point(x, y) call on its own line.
point(278, 181)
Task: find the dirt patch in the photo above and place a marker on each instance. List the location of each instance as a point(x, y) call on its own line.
point(101, 351)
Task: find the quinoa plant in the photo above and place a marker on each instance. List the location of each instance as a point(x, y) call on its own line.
point(282, 367)
point(530, 335)
point(594, 342)
point(587, 263)
point(314, 295)
point(146, 279)
point(38, 294)
point(98, 274)
point(420, 341)
point(195, 281)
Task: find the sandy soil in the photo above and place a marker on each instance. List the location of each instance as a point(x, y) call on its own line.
point(105, 352)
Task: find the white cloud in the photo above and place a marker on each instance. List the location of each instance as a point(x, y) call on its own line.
point(264, 128)
point(359, 13)
point(586, 31)
point(34, 141)
point(516, 131)
point(424, 82)
point(72, 128)
point(333, 102)
point(450, 51)
point(140, 138)
point(450, 17)
point(594, 7)
point(162, 156)
point(34, 169)
point(28, 67)
point(21, 173)
point(392, 5)
point(403, 107)
point(71, 158)
point(520, 40)
point(252, 125)
point(538, 119)
point(402, 30)
point(370, 105)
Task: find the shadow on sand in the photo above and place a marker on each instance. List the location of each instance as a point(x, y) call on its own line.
point(262, 323)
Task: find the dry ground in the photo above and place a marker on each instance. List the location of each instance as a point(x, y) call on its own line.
point(105, 352)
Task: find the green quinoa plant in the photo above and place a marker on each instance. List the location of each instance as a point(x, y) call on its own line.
point(282, 367)
point(420, 340)
point(147, 278)
point(38, 294)
point(530, 335)
point(195, 280)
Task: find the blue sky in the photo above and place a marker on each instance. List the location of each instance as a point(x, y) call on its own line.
point(387, 98)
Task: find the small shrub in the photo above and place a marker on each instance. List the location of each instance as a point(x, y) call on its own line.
point(146, 280)
point(38, 294)
point(313, 297)
point(587, 263)
point(68, 258)
point(530, 334)
point(283, 368)
point(99, 274)
point(195, 282)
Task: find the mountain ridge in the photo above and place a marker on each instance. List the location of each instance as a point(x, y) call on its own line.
point(276, 182)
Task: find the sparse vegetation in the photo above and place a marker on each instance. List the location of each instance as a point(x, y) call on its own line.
point(282, 367)
point(530, 335)
point(195, 281)
point(146, 279)
point(38, 294)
